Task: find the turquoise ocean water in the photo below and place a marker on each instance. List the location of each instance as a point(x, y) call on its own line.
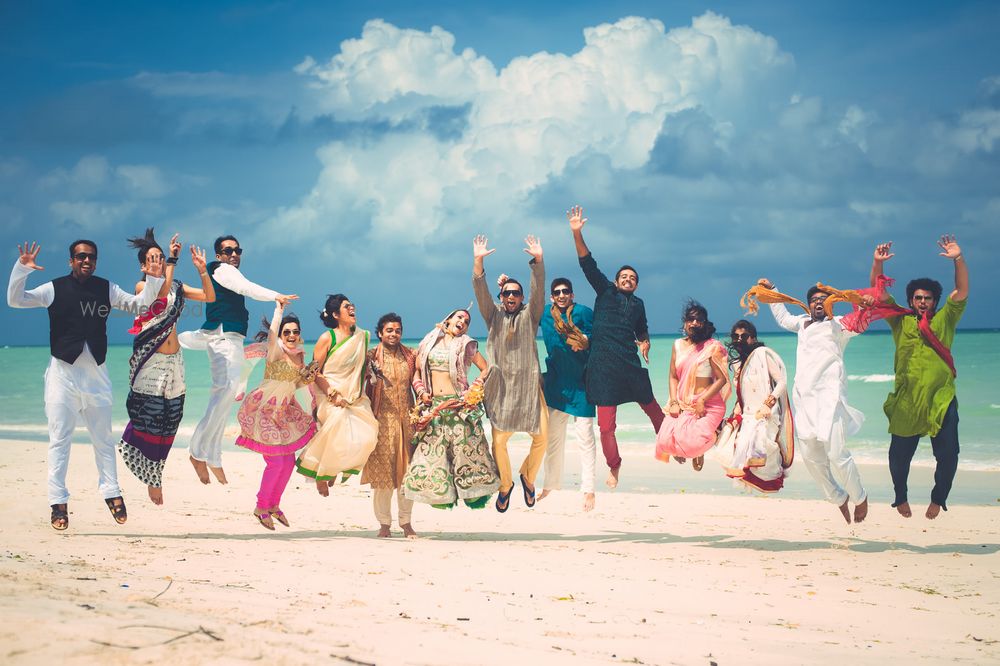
point(868, 358)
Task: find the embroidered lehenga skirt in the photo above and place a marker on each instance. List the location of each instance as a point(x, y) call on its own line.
point(452, 461)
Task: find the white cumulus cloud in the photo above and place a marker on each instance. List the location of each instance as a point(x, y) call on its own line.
point(525, 123)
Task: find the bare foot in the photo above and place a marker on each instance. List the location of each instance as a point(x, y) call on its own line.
point(904, 509)
point(861, 511)
point(155, 494)
point(201, 469)
point(383, 532)
point(408, 531)
point(933, 510)
point(545, 492)
point(698, 463)
point(588, 501)
point(846, 512)
point(220, 475)
point(612, 481)
point(323, 488)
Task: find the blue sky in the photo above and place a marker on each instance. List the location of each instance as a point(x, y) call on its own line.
point(357, 148)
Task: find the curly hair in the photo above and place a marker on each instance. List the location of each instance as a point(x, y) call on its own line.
point(707, 330)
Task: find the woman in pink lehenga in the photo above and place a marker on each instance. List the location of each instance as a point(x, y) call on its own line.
point(699, 387)
point(272, 423)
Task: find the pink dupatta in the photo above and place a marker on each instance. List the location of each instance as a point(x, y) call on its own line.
point(861, 317)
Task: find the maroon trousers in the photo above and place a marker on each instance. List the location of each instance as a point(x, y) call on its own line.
point(607, 423)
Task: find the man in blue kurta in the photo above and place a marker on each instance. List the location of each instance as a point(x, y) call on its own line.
point(566, 328)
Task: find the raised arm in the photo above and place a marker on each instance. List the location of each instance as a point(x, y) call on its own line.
point(882, 254)
point(274, 328)
point(536, 302)
point(483, 298)
point(780, 313)
point(951, 250)
point(576, 222)
point(207, 291)
point(17, 297)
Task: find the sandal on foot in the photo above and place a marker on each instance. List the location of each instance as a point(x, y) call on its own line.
point(117, 507)
point(504, 498)
point(529, 495)
point(698, 463)
point(264, 518)
point(60, 517)
point(279, 515)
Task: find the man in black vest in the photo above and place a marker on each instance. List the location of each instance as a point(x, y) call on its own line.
point(222, 334)
point(77, 381)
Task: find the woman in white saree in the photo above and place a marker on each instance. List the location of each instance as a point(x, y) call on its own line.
point(756, 446)
point(348, 430)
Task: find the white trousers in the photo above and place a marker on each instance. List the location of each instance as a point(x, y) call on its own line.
point(831, 464)
point(82, 389)
point(225, 358)
point(382, 501)
point(556, 450)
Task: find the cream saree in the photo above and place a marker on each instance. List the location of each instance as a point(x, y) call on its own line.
point(346, 435)
point(761, 449)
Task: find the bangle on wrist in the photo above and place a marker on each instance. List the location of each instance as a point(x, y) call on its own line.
point(172, 260)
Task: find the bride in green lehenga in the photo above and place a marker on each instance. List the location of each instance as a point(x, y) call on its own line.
point(452, 460)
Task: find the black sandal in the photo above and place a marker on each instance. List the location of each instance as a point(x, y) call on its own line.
point(60, 512)
point(504, 499)
point(117, 507)
point(529, 495)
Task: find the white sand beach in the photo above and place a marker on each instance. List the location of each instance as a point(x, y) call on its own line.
point(680, 578)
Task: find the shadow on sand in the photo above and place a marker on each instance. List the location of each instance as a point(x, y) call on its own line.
point(710, 541)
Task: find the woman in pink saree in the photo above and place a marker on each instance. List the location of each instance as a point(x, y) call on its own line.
point(699, 387)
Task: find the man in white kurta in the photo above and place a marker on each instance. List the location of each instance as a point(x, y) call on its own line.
point(823, 419)
point(81, 388)
point(222, 336)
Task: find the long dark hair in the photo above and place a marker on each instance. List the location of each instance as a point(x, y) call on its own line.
point(144, 244)
point(265, 327)
point(738, 353)
point(331, 309)
point(707, 329)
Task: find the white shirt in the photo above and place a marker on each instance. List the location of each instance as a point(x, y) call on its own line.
point(819, 397)
point(230, 277)
point(82, 383)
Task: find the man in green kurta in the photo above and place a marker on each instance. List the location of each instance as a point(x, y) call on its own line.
point(923, 399)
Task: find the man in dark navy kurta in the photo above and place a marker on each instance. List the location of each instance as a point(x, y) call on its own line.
point(614, 372)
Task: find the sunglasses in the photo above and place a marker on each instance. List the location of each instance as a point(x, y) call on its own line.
point(82, 256)
point(693, 318)
point(230, 251)
point(740, 337)
point(511, 292)
point(288, 333)
point(561, 292)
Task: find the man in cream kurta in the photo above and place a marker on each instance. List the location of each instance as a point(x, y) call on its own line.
point(76, 381)
point(823, 419)
point(513, 390)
